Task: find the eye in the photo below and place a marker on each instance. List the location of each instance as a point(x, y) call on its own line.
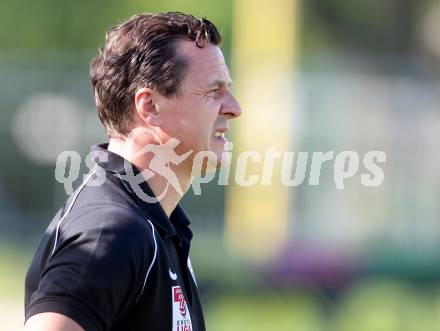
point(214, 92)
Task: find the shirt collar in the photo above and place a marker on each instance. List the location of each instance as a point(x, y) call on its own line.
point(153, 211)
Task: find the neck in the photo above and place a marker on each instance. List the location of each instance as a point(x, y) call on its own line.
point(169, 188)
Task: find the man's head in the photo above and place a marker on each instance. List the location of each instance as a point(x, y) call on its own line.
point(166, 72)
point(141, 52)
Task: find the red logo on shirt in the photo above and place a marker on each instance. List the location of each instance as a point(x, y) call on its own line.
point(181, 313)
point(178, 297)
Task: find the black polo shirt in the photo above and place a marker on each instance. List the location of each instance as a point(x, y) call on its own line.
point(112, 261)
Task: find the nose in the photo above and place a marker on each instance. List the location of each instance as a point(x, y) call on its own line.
point(231, 108)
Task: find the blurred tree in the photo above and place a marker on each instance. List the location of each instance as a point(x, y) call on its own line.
point(80, 25)
point(372, 26)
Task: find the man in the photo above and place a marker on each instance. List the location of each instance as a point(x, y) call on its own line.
point(112, 259)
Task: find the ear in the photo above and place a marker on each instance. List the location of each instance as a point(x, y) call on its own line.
point(146, 105)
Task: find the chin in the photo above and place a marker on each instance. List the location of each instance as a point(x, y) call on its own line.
point(218, 150)
point(214, 146)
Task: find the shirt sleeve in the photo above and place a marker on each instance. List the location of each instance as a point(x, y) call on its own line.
point(95, 274)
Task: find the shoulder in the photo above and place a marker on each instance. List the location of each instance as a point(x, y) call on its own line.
point(107, 207)
point(106, 219)
point(105, 245)
point(115, 227)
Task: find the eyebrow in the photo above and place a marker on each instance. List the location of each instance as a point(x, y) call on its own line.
point(220, 83)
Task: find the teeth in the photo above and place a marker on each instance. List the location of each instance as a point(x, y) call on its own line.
point(219, 134)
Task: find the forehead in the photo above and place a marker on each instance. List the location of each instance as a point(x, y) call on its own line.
point(206, 64)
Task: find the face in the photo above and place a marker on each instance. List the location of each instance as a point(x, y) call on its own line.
point(199, 116)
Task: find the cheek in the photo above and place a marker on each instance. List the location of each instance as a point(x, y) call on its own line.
point(178, 123)
point(193, 122)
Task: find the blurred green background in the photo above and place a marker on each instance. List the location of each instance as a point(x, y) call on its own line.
point(368, 78)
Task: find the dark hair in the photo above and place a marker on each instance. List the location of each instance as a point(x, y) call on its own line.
point(141, 52)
